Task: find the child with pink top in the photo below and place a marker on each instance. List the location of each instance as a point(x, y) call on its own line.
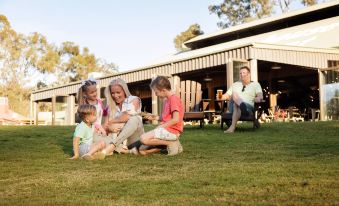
point(168, 132)
point(87, 94)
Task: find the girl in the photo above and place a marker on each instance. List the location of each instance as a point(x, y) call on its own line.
point(83, 145)
point(87, 94)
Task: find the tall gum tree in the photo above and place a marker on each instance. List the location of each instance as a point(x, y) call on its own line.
point(234, 12)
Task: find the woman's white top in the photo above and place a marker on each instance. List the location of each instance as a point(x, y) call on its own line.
point(128, 106)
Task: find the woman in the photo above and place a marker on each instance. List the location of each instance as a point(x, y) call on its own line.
point(123, 108)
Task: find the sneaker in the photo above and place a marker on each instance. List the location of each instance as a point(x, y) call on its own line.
point(173, 148)
point(134, 151)
point(180, 148)
point(99, 156)
point(87, 157)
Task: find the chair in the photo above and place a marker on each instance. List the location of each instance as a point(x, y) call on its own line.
point(294, 114)
point(191, 97)
point(226, 117)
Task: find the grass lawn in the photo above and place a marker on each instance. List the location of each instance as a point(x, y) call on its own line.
point(279, 164)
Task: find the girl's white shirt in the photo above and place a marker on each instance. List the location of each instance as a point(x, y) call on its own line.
point(100, 113)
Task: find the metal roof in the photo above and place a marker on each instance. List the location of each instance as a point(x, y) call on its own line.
point(320, 36)
point(263, 21)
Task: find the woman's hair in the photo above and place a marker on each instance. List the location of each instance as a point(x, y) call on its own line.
point(86, 109)
point(83, 88)
point(110, 102)
point(161, 82)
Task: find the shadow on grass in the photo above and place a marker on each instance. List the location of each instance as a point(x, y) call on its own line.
point(66, 145)
point(65, 141)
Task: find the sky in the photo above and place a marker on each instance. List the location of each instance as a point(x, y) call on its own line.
point(130, 33)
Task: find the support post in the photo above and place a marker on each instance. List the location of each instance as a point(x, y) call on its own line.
point(30, 111)
point(322, 101)
point(154, 103)
point(176, 85)
point(154, 106)
point(53, 108)
point(70, 116)
point(254, 70)
point(36, 112)
point(229, 73)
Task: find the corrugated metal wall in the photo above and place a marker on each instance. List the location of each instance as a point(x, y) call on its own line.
point(169, 68)
point(300, 58)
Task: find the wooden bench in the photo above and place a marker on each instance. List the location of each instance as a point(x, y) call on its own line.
point(191, 97)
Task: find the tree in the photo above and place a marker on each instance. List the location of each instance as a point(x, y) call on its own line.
point(309, 2)
point(13, 67)
point(284, 5)
point(234, 12)
point(40, 54)
point(23, 57)
point(76, 65)
point(192, 31)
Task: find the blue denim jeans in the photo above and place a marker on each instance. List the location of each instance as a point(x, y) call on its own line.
point(249, 107)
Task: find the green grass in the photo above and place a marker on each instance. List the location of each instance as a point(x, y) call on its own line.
point(279, 164)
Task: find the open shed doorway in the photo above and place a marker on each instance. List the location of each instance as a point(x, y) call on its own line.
point(287, 86)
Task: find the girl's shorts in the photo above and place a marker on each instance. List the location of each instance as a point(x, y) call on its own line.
point(163, 134)
point(83, 149)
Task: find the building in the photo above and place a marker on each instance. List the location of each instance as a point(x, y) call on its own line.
point(295, 57)
point(9, 117)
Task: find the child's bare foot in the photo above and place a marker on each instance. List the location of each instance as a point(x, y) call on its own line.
point(106, 153)
point(99, 156)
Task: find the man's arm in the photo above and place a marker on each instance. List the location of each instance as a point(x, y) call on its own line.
point(226, 96)
point(258, 98)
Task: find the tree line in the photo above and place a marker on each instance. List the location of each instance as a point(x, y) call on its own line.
point(27, 57)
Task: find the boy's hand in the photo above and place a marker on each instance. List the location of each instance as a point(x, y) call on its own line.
point(74, 157)
point(151, 117)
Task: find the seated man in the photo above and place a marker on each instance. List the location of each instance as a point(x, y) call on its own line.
point(242, 95)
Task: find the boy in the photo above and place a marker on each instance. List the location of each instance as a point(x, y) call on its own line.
point(171, 126)
point(83, 145)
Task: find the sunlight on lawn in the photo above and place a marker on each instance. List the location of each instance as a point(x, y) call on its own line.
point(279, 164)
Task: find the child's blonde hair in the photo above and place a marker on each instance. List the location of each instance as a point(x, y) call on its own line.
point(83, 88)
point(161, 82)
point(86, 109)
